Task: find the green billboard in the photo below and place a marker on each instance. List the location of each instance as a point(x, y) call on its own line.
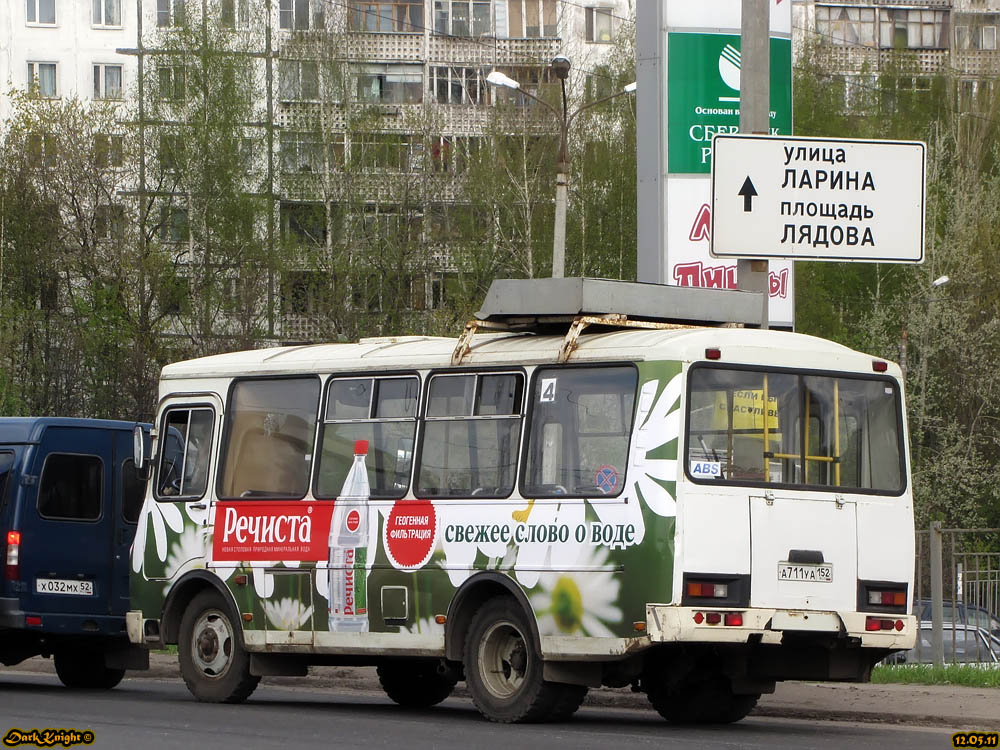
point(703, 95)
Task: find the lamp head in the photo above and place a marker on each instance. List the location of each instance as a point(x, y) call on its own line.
point(496, 78)
point(561, 66)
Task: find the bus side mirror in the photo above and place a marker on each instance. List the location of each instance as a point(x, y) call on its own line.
point(140, 453)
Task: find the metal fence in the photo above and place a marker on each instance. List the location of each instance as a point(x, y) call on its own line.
point(957, 594)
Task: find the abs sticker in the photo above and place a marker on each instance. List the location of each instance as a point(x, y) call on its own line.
point(706, 469)
point(547, 390)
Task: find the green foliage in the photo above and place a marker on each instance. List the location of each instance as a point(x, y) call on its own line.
point(944, 337)
point(928, 674)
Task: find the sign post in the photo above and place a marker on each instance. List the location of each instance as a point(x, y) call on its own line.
point(818, 199)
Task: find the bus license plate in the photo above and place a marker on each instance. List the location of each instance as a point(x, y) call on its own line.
point(811, 573)
point(62, 586)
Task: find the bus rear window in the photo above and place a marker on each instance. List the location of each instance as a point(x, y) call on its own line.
point(581, 418)
point(783, 428)
point(6, 464)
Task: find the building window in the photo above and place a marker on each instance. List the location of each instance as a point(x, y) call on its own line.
point(989, 37)
point(107, 150)
point(303, 223)
point(42, 76)
point(912, 29)
point(298, 79)
point(109, 222)
point(599, 25)
point(171, 152)
point(235, 14)
point(173, 224)
point(43, 148)
point(169, 13)
point(462, 17)
point(294, 15)
point(388, 152)
point(40, 12)
point(453, 153)
point(391, 225)
point(391, 84)
point(531, 18)
point(170, 81)
point(401, 16)
point(458, 85)
point(107, 81)
point(976, 37)
point(302, 152)
point(845, 26)
point(107, 13)
point(532, 78)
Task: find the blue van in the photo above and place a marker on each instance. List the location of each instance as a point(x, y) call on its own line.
point(70, 497)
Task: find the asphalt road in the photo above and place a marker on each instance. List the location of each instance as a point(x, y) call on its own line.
point(149, 714)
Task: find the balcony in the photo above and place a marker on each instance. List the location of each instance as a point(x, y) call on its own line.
point(385, 47)
point(856, 59)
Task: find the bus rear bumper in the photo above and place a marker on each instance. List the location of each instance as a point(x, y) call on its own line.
point(672, 624)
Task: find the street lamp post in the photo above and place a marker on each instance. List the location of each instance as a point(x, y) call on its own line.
point(561, 67)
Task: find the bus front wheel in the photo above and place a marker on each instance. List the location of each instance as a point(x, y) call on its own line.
point(707, 701)
point(214, 664)
point(503, 668)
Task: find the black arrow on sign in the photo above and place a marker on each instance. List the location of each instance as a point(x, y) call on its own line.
point(748, 192)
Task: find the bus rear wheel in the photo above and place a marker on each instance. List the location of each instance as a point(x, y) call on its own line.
point(503, 668)
point(86, 670)
point(416, 684)
point(709, 701)
point(214, 664)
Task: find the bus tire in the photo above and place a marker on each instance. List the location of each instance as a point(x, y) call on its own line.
point(503, 668)
point(415, 684)
point(709, 701)
point(214, 664)
point(85, 670)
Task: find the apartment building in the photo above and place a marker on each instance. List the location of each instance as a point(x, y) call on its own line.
point(66, 48)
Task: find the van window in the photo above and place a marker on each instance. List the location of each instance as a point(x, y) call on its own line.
point(133, 492)
point(186, 435)
point(70, 487)
point(6, 464)
point(581, 419)
point(382, 411)
point(471, 433)
point(269, 437)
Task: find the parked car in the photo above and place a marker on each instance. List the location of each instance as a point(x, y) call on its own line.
point(963, 644)
point(959, 612)
point(70, 497)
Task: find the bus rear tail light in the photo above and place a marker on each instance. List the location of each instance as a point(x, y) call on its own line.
point(889, 598)
point(882, 623)
point(734, 619)
point(731, 619)
point(12, 569)
point(880, 366)
point(713, 353)
point(707, 589)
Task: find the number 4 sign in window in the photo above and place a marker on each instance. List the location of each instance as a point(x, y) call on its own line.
point(548, 390)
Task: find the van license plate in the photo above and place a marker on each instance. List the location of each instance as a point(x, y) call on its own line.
point(61, 586)
point(811, 573)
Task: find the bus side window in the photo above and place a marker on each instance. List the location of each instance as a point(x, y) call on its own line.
point(472, 428)
point(578, 437)
point(185, 454)
point(270, 427)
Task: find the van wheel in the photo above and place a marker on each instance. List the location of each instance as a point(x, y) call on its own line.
point(214, 664)
point(709, 701)
point(415, 684)
point(503, 668)
point(86, 670)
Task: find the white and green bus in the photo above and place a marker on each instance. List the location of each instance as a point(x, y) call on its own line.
point(695, 510)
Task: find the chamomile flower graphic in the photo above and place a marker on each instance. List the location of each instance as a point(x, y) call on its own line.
point(155, 517)
point(423, 626)
point(287, 613)
point(580, 601)
point(186, 553)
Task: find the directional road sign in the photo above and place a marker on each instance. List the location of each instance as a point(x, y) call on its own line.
point(818, 199)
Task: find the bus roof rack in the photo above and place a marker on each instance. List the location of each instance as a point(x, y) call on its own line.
point(568, 306)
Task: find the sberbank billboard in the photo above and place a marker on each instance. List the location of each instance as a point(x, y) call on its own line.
point(703, 95)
